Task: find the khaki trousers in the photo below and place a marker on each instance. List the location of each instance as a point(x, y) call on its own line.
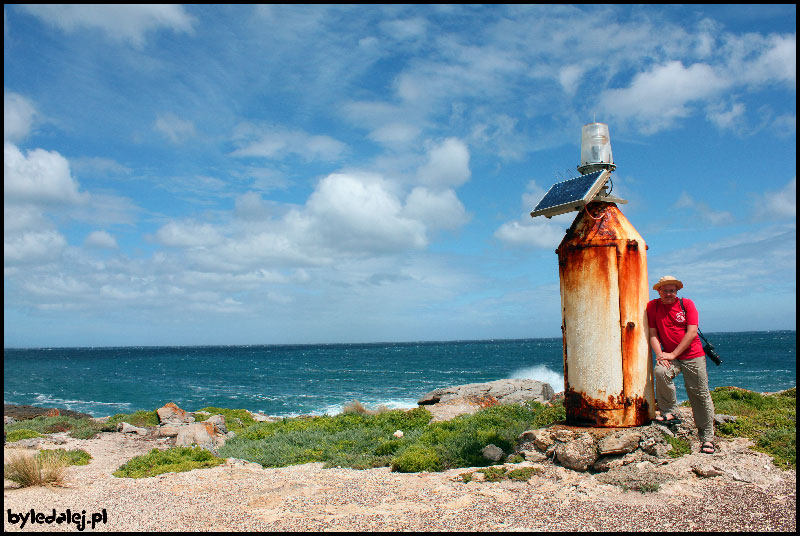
point(695, 378)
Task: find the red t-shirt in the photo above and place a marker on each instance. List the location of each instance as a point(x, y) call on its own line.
point(671, 322)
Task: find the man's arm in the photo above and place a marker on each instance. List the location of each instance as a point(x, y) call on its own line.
point(655, 344)
point(688, 337)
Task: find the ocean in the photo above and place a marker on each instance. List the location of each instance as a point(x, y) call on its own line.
point(290, 380)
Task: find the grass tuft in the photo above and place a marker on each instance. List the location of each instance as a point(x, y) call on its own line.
point(27, 470)
point(66, 457)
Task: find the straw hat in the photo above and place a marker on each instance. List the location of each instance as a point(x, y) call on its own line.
point(668, 280)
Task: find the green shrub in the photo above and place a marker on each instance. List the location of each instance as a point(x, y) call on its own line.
point(83, 428)
point(769, 420)
point(139, 418)
point(21, 433)
point(417, 458)
point(174, 460)
point(365, 439)
point(67, 457)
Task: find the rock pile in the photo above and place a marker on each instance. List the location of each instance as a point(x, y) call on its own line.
point(598, 449)
point(175, 422)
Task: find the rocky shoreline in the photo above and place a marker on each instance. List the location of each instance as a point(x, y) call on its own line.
point(578, 479)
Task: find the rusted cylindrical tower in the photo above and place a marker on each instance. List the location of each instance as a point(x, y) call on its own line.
point(602, 264)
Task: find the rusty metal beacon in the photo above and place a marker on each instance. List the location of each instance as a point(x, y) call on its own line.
point(602, 265)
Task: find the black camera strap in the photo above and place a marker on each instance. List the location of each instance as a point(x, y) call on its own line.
point(708, 348)
point(698, 327)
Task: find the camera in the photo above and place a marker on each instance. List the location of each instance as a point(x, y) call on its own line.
point(708, 348)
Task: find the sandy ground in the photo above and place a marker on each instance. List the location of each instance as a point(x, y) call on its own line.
point(750, 495)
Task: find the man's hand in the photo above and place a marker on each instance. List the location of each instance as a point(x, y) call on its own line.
point(665, 358)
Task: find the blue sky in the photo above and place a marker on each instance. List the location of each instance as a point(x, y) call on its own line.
point(181, 175)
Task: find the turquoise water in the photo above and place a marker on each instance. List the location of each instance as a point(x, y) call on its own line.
point(316, 379)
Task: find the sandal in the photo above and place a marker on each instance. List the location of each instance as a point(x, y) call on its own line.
point(708, 448)
point(672, 420)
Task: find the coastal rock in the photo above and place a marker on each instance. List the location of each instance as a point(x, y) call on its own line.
point(619, 443)
point(170, 413)
point(507, 391)
point(205, 434)
point(219, 424)
point(707, 470)
point(492, 453)
point(579, 454)
point(127, 428)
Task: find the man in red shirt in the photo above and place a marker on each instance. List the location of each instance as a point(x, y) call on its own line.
point(673, 338)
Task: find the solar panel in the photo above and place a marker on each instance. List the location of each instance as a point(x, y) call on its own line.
point(571, 194)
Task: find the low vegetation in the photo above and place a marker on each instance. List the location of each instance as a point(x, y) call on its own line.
point(497, 474)
point(65, 457)
point(21, 433)
point(33, 470)
point(769, 420)
point(361, 439)
point(174, 460)
point(83, 428)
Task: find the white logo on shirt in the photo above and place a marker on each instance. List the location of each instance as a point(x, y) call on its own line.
point(680, 317)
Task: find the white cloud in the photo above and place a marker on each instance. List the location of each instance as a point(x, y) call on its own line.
point(101, 239)
point(174, 128)
point(702, 211)
point(569, 77)
point(359, 212)
point(726, 119)
point(18, 117)
point(447, 166)
point(279, 142)
point(437, 210)
point(188, 234)
point(779, 204)
point(533, 232)
point(40, 177)
point(658, 97)
point(119, 22)
point(32, 247)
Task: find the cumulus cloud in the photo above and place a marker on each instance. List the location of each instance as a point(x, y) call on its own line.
point(362, 212)
point(533, 232)
point(437, 209)
point(119, 22)
point(447, 165)
point(101, 240)
point(18, 117)
point(40, 177)
point(32, 246)
point(188, 234)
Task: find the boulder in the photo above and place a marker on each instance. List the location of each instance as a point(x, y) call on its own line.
point(204, 434)
point(579, 454)
point(492, 453)
point(172, 414)
point(508, 391)
point(619, 443)
point(127, 428)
